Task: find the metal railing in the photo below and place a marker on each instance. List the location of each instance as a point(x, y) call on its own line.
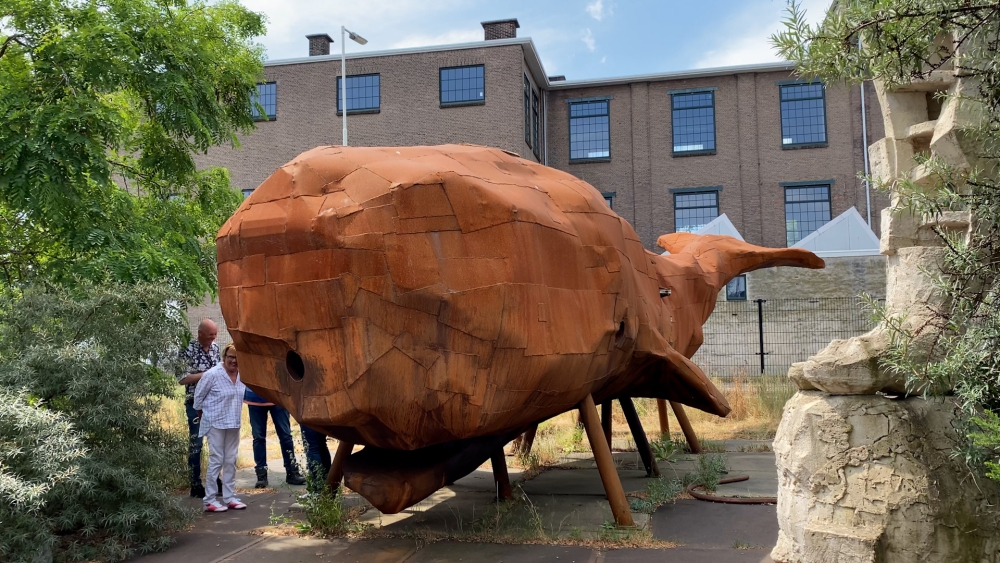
point(766, 336)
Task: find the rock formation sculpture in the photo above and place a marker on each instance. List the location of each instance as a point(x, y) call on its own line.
point(864, 477)
point(432, 303)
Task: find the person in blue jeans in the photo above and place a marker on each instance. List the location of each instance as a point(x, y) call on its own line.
point(317, 458)
point(259, 408)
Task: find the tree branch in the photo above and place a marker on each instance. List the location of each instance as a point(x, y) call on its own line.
point(16, 38)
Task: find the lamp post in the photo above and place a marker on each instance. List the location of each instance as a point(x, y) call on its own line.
point(344, 33)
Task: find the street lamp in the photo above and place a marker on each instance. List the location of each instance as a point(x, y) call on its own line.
point(344, 33)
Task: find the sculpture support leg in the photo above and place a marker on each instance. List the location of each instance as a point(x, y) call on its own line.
point(661, 409)
point(337, 466)
point(606, 420)
point(639, 435)
point(689, 435)
point(527, 439)
point(500, 477)
point(605, 463)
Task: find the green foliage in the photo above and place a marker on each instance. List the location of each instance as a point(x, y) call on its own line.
point(901, 41)
point(96, 364)
point(103, 104)
point(39, 450)
point(659, 491)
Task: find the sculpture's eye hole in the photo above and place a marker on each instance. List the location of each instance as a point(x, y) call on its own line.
point(621, 331)
point(296, 369)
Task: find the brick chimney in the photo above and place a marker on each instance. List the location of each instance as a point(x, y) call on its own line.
point(319, 44)
point(501, 29)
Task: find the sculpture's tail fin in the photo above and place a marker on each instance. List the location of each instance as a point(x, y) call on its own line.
point(722, 258)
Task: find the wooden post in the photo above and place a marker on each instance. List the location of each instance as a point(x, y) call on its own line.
point(661, 409)
point(682, 419)
point(500, 477)
point(337, 467)
point(606, 420)
point(639, 435)
point(605, 463)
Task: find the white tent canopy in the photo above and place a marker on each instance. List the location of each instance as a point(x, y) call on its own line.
point(846, 235)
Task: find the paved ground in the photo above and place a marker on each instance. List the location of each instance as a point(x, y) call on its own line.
point(568, 501)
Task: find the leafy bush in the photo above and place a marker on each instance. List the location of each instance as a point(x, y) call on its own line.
point(96, 364)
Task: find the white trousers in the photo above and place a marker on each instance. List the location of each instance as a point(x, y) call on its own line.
point(222, 446)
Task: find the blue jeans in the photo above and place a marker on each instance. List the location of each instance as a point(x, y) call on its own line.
point(258, 427)
point(317, 458)
point(194, 446)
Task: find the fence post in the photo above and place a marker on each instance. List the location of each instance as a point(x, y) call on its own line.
point(760, 329)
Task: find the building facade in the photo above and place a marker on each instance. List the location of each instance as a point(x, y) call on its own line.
point(778, 155)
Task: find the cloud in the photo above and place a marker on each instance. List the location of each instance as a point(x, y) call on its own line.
point(597, 11)
point(746, 35)
point(588, 40)
point(446, 38)
point(604, 59)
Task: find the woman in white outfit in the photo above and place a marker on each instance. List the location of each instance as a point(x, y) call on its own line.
point(218, 398)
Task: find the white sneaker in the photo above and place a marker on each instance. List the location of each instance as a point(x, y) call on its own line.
point(237, 504)
point(216, 506)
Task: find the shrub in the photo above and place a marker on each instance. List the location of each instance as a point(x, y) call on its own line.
point(99, 360)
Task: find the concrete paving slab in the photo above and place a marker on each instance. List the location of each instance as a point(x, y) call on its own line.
point(290, 549)
point(482, 480)
point(582, 482)
point(200, 547)
point(585, 460)
point(695, 523)
point(383, 550)
point(686, 555)
point(451, 552)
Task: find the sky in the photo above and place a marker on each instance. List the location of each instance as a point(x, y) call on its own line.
point(581, 39)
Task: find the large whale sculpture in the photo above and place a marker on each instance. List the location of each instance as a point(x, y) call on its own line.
point(431, 303)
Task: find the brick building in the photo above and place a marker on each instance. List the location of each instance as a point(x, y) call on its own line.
point(778, 155)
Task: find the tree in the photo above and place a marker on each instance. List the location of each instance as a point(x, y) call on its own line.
point(902, 41)
point(102, 105)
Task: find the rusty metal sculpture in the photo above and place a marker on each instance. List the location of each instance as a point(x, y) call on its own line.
point(432, 303)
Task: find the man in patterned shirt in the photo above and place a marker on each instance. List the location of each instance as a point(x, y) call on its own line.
point(201, 355)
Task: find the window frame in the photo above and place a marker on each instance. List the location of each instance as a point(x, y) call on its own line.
point(359, 111)
point(781, 122)
point(609, 198)
point(695, 191)
point(569, 132)
point(673, 123)
point(527, 110)
point(461, 103)
point(247, 191)
point(266, 116)
point(535, 124)
point(746, 289)
point(785, 186)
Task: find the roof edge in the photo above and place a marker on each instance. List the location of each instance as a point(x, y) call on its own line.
point(676, 75)
point(404, 51)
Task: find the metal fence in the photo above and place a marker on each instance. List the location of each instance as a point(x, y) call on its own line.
point(766, 336)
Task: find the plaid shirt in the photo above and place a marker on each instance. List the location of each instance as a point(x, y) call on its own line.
point(198, 360)
point(219, 399)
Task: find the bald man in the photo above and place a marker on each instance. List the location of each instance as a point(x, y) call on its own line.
point(201, 355)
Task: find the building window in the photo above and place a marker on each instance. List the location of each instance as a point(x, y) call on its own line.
point(693, 116)
point(534, 121)
point(807, 208)
point(527, 111)
point(266, 96)
point(609, 198)
point(693, 211)
point(247, 192)
point(463, 85)
point(736, 289)
point(803, 114)
point(589, 131)
point(363, 94)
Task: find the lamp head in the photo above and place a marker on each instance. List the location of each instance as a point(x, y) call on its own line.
point(357, 38)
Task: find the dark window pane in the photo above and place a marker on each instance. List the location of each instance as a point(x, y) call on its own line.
point(534, 121)
point(267, 96)
point(693, 119)
point(363, 93)
point(463, 84)
point(807, 208)
point(527, 111)
point(736, 290)
point(693, 211)
point(803, 114)
point(589, 130)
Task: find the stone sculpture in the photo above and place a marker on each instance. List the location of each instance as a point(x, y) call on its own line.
point(864, 477)
point(432, 303)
